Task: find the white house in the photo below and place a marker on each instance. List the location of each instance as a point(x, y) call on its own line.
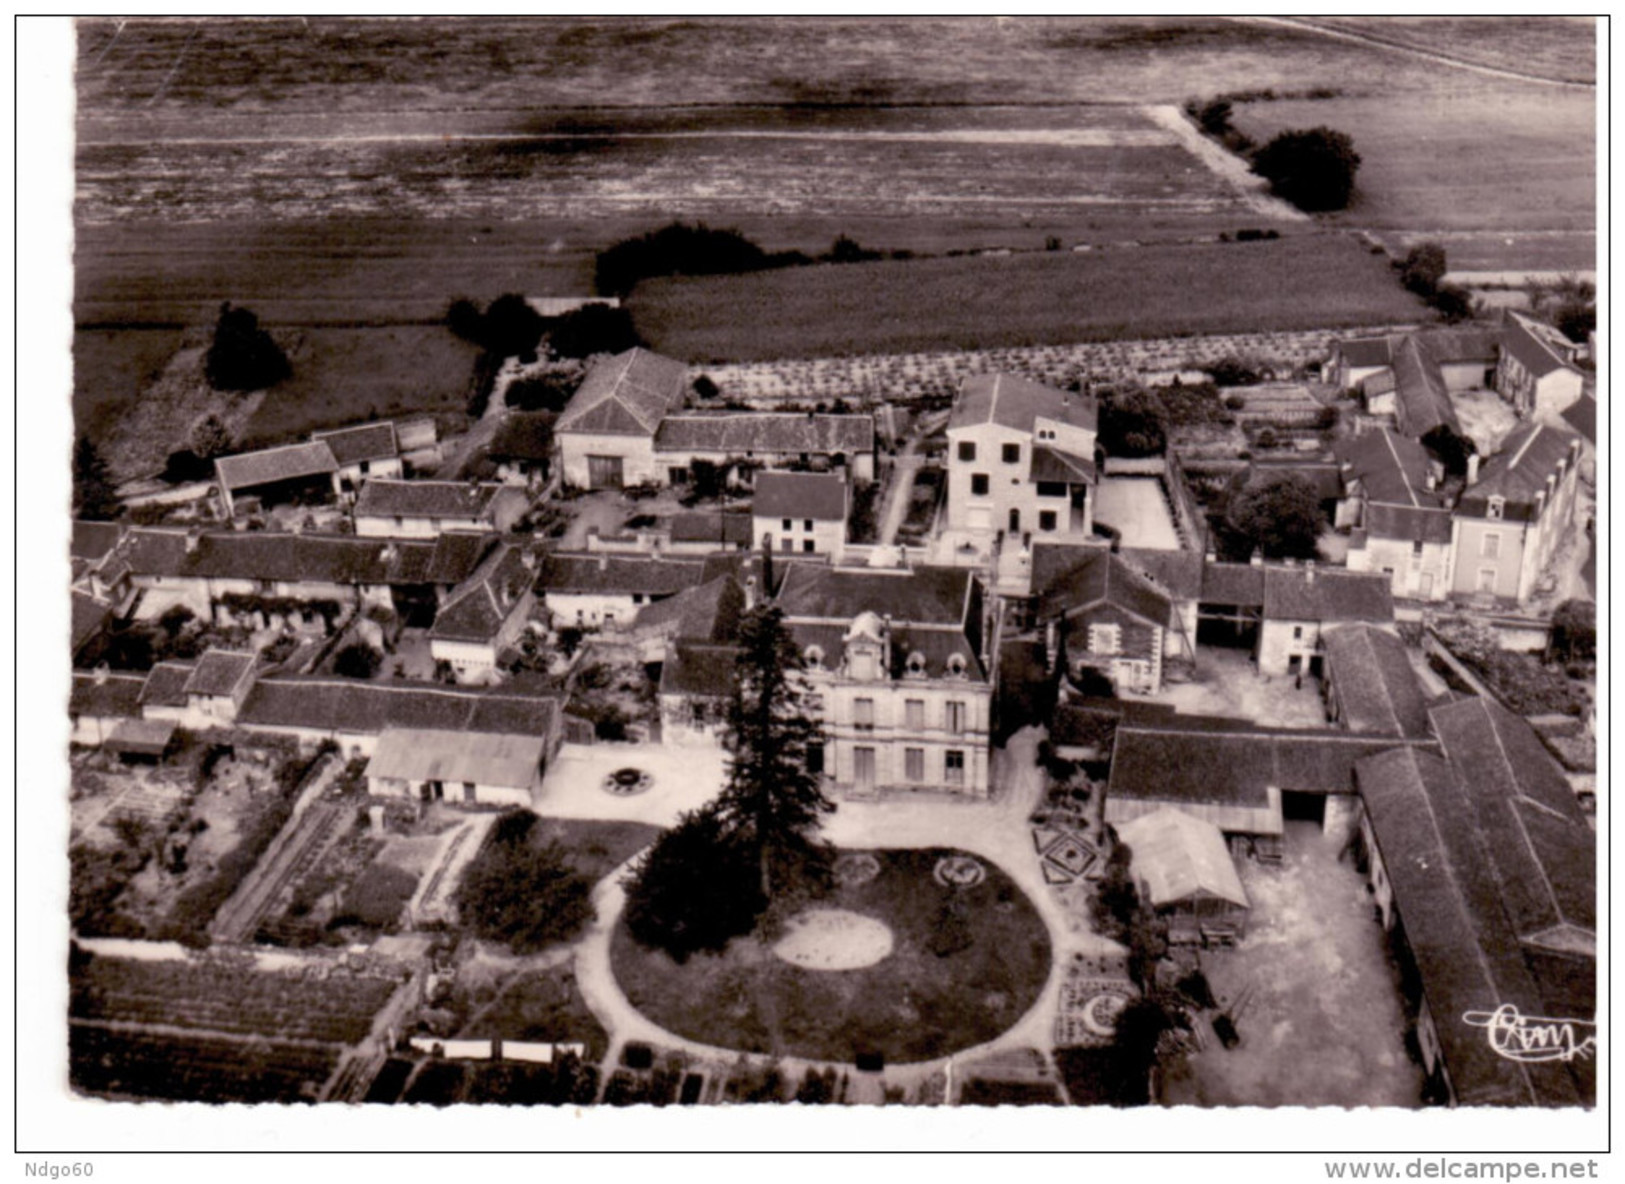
point(606, 433)
point(605, 591)
point(485, 615)
point(1021, 461)
point(801, 513)
point(1537, 373)
point(1402, 525)
point(472, 768)
point(1515, 512)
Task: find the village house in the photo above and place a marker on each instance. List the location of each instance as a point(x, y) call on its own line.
point(1021, 461)
point(425, 509)
point(697, 632)
point(362, 452)
point(1100, 613)
point(262, 576)
point(419, 442)
point(293, 474)
point(88, 621)
point(1537, 372)
point(1401, 523)
point(897, 660)
point(99, 701)
point(1185, 871)
point(801, 513)
point(482, 619)
point(1407, 379)
point(750, 441)
point(606, 433)
point(1483, 868)
point(1516, 511)
point(607, 591)
point(522, 448)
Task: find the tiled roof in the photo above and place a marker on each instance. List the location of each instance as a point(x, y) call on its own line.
point(1384, 521)
point(935, 644)
point(347, 705)
point(1454, 927)
point(285, 558)
point(1375, 682)
point(368, 441)
point(1389, 467)
point(1362, 352)
point(89, 617)
point(247, 470)
point(1519, 470)
point(1105, 578)
point(525, 435)
point(626, 574)
point(820, 496)
point(220, 673)
point(1179, 573)
point(724, 527)
point(708, 613)
point(1233, 583)
point(1051, 464)
point(454, 556)
point(1423, 398)
point(93, 540)
point(1525, 342)
point(925, 595)
point(1179, 857)
point(738, 432)
point(1018, 403)
point(629, 393)
point(106, 695)
point(1581, 415)
point(480, 607)
point(480, 758)
point(166, 685)
point(1459, 346)
point(425, 499)
point(1543, 851)
point(1326, 594)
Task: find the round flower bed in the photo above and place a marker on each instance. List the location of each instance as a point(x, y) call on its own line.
point(624, 783)
point(855, 867)
point(959, 871)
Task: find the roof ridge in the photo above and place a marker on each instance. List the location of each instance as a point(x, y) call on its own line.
point(1524, 447)
point(1387, 438)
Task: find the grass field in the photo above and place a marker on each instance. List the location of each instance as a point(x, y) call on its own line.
point(112, 367)
point(1039, 298)
point(914, 1005)
point(1563, 49)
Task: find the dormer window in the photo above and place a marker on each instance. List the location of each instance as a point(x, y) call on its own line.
point(956, 665)
point(916, 665)
point(815, 657)
point(1497, 507)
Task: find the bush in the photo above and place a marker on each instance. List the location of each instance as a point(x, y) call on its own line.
point(542, 392)
point(1279, 515)
point(1133, 423)
point(523, 894)
point(1326, 418)
point(1313, 169)
point(357, 660)
point(1574, 632)
point(593, 329)
point(242, 356)
point(1233, 371)
point(1423, 269)
point(186, 466)
point(377, 897)
point(680, 249)
point(705, 388)
point(1450, 447)
point(1453, 302)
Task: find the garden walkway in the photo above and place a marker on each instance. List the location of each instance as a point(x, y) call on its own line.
point(996, 830)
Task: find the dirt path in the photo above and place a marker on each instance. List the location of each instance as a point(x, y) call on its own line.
point(1250, 188)
point(1376, 42)
point(900, 492)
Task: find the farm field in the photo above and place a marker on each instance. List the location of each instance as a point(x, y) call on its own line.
point(1513, 167)
point(1563, 49)
point(1032, 299)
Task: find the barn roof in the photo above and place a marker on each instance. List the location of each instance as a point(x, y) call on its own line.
point(1374, 681)
point(481, 606)
point(923, 595)
point(1179, 856)
point(166, 685)
point(607, 573)
point(723, 527)
point(1102, 577)
point(1423, 398)
point(368, 441)
point(247, 470)
point(220, 672)
point(499, 759)
point(1018, 403)
point(383, 498)
point(1390, 468)
point(331, 704)
point(1361, 352)
point(105, 694)
point(628, 394)
point(284, 558)
point(89, 617)
point(738, 433)
point(1519, 470)
point(1322, 594)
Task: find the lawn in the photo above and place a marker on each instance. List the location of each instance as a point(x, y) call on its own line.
point(911, 1006)
point(596, 848)
point(111, 367)
point(543, 1006)
point(1296, 282)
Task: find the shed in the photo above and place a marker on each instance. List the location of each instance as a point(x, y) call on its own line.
point(484, 767)
point(1185, 867)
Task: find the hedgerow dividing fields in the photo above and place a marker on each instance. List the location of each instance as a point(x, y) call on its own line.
point(1309, 281)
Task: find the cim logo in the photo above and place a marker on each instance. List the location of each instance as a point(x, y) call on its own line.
point(1531, 1038)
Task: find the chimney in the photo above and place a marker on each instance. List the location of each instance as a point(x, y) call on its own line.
point(1433, 482)
point(603, 561)
point(1472, 469)
point(527, 556)
point(389, 554)
point(1257, 558)
point(1309, 571)
point(750, 593)
point(101, 674)
point(194, 535)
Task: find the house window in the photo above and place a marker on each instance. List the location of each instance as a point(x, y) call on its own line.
point(978, 484)
point(787, 544)
point(815, 657)
point(806, 544)
point(815, 758)
point(1046, 520)
point(678, 475)
point(967, 450)
point(1491, 547)
point(637, 598)
point(914, 764)
point(954, 717)
point(1496, 509)
point(1105, 639)
point(953, 766)
point(1297, 633)
point(956, 665)
point(1416, 550)
point(1052, 489)
point(863, 715)
point(806, 524)
point(1486, 579)
point(1012, 454)
point(786, 524)
point(914, 714)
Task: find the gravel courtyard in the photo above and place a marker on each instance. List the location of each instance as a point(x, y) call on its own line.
point(1137, 507)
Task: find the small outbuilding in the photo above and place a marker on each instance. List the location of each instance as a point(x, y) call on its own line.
point(1185, 871)
point(470, 767)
